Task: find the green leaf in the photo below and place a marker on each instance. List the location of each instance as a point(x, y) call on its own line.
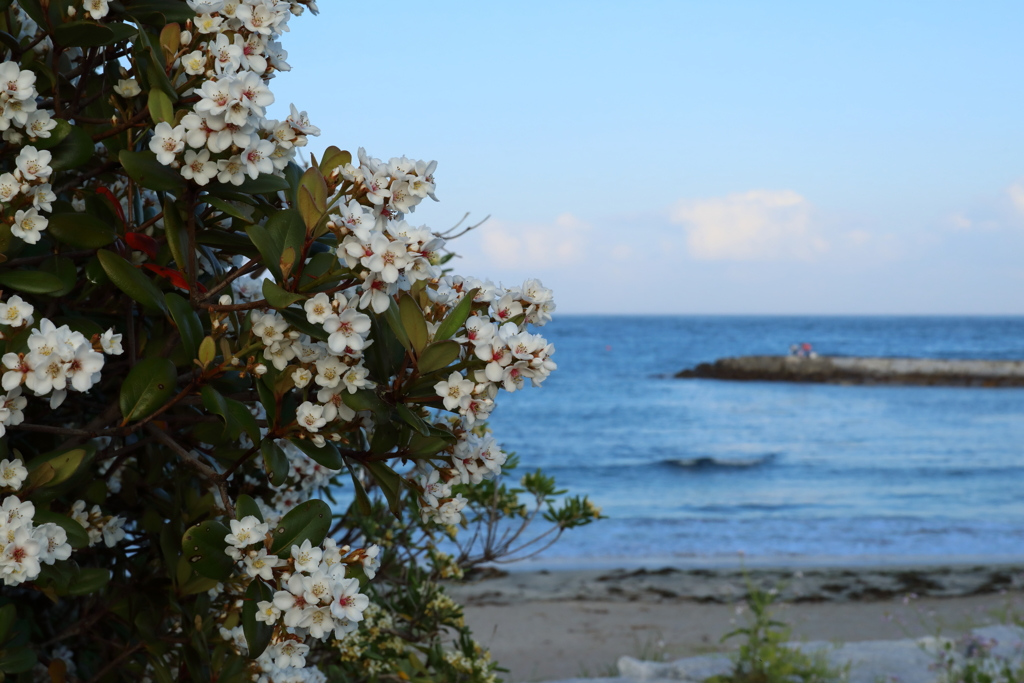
point(277, 297)
point(159, 12)
point(332, 159)
point(276, 462)
point(90, 34)
point(64, 464)
point(413, 420)
point(150, 173)
point(246, 506)
point(269, 249)
point(131, 281)
point(413, 323)
point(207, 351)
point(327, 455)
point(390, 483)
point(287, 230)
point(78, 537)
point(364, 399)
point(244, 419)
point(263, 184)
point(457, 318)
point(176, 233)
point(425, 446)
point(161, 109)
point(8, 615)
point(17, 660)
point(394, 318)
point(147, 387)
point(227, 208)
point(257, 633)
point(362, 500)
point(203, 546)
point(310, 520)
point(73, 151)
point(190, 329)
point(31, 282)
point(297, 319)
point(90, 580)
point(57, 135)
point(64, 269)
point(438, 355)
point(80, 230)
point(215, 402)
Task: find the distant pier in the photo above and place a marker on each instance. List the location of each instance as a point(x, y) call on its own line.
point(857, 370)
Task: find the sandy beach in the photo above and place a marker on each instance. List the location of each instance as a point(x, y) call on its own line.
point(545, 625)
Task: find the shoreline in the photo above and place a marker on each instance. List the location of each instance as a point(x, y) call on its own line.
point(796, 582)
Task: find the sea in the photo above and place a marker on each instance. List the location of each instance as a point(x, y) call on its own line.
point(697, 470)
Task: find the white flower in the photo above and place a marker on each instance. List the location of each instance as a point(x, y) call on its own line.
point(329, 371)
point(455, 391)
point(19, 561)
point(262, 565)
point(16, 312)
point(269, 327)
point(11, 406)
point(356, 378)
point(194, 63)
point(318, 308)
point(113, 531)
point(53, 543)
point(9, 187)
point(39, 124)
point(28, 225)
point(256, 158)
point(111, 343)
point(167, 142)
point(84, 367)
point(97, 9)
point(33, 163)
point(371, 561)
point(15, 82)
point(347, 331)
point(127, 88)
point(12, 473)
point(310, 416)
point(300, 121)
point(307, 557)
point(289, 653)
point(205, 23)
point(319, 621)
point(348, 602)
point(231, 170)
point(43, 197)
point(267, 613)
point(301, 377)
point(250, 89)
point(246, 531)
point(451, 511)
point(198, 167)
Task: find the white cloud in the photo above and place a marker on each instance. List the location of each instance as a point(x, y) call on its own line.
point(510, 245)
point(757, 225)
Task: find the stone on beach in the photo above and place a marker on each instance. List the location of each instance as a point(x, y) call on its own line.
point(907, 661)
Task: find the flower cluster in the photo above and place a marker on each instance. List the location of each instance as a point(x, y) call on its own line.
point(227, 136)
point(100, 527)
point(23, 546)
point(58, 359)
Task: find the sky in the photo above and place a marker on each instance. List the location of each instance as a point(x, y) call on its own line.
point(696, 157)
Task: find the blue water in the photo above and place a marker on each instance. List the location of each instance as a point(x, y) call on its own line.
point(705, 468)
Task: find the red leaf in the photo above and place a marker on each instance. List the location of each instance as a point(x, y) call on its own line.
point(113, 200)
point(141, 242)
point(176, 278)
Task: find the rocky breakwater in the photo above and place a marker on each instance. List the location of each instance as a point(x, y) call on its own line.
point(859, 370)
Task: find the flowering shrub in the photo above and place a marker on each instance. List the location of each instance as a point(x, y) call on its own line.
point(206, 338)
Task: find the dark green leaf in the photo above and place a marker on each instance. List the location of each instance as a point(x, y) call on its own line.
point(412, 322)
point(390, 483)
point(362, 500)
point(64, 269)
point(147, 387)
point(150, 173)
point(310, 520)
point(425, 446)
point(17, 660)
point(159, 12)
point(244, 419)
point(73, 151)
point(227, 207)
point(215, 402)
point(457, 318)
point(203, 546)
point(364, 399)
point(8, 615)
point(275, 461)
point(90, 580)
point(268, 247)
point(438, 355)
point(263, 184)
point(413, 420)
point(91, 34)
point(327, 455)
point(257, 633)
point(277, 297)
point(394, 318)
point(31, 281)
point(80, 230)
point(245, 506)
point(287, 230)
point(190, 329)
point(57, 135)
point(131, 281)
point(297, 319)
point(161, 109)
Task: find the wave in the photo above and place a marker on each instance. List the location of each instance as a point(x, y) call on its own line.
point(707, 462)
